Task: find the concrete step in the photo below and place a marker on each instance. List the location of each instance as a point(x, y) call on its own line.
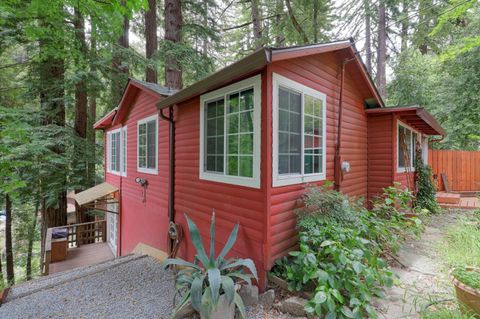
point(448, 198)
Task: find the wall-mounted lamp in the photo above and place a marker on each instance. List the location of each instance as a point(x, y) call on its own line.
point(144, 183)
point(345, 167)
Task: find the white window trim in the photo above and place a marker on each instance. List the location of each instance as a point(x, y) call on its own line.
point(281, 179)
point(254, 181)
point(124, 152)
point(419, 138)
point(153, 171)
point(109, 151)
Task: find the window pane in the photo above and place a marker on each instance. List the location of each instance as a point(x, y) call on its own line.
point(313, 135)
point(246, 100)
point(117, 151)
point(289, 136)
point(233, 165)
point(233, 144)
point(317, 164)
point(151, 144)
point(245, 166)
point(215, 136)
point(124, 150)
point(246, 144)
point(233, 102)
point(233, 123)
point(246, 121)
point(401, 141)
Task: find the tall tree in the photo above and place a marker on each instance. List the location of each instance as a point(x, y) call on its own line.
point(381, 75)
point(257, 23)
point(173, 27)
point(120, 69)
point(8, 241)
point(368, 36)
point(151, 43)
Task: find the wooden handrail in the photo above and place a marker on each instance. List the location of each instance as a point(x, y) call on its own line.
point(75, 237)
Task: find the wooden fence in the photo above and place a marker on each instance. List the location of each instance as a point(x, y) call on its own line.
point(462, 169)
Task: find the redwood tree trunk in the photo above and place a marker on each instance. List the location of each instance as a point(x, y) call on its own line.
point(81, 86)
point(31, 237)
point(368, 37)
point(405, 24)
point(173, 25)
point(120, 72)
point(382, 50)
point(8, 241)
point(151, 39)
point(257, 25)
point(92, 110)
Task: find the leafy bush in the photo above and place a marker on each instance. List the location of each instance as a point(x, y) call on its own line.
point(202, 285)
point(341, 249)
point(470, 278)
point(425, 195)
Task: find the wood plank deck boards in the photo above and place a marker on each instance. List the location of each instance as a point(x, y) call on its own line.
point(465, 203)
point(85, 255)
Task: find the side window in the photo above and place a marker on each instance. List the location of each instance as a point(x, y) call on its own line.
point(406, 144)
point(298, 133)
point(147, 132)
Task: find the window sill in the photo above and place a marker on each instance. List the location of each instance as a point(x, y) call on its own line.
point(239, 181)
point(401, 170)
point(297, 179)
point(152, 171)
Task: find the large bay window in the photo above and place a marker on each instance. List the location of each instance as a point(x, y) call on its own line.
point(299, 133)
point(230, 134)
point(116, 151)
point(407, 139)
point(147, 149)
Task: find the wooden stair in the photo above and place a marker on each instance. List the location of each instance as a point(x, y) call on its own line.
point(448, 198)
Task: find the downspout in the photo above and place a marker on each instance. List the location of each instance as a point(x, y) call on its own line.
point(174, 230)
point(337, 158)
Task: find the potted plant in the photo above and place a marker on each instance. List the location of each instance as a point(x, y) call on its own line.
point(467, 287)
point(209, 285)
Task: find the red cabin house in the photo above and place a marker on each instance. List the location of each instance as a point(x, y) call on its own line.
point(245, 141)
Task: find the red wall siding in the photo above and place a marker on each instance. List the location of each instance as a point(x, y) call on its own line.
point(143, 222)
point(320, 73)
point(380, 156)
point(197, 198)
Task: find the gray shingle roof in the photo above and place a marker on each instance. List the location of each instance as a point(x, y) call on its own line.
point(163, 90)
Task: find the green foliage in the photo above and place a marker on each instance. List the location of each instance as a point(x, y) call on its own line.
point(461, 243)
point(425, 196)
point(470, 278)
point(342, 246)
point(203, 281)
point(445, 313)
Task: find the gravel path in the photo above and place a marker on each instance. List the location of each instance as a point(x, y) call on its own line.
point(125, 288)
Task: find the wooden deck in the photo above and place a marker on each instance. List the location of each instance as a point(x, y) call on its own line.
point(85, 255)
point(464, 203)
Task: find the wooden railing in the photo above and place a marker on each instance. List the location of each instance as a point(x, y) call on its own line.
point(78, 234)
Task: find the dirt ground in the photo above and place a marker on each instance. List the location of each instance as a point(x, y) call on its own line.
point(422, 276)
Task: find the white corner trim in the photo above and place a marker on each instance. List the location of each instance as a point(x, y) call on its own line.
point(153, 171)
point(254, 182)
point(124, 152)
point(283, 180)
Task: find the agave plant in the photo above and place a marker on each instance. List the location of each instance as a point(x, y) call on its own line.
point(207, 278)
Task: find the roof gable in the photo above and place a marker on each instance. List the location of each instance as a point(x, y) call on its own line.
point(260, 58)
point(130, 92)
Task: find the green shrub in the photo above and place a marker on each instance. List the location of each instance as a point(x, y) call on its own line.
point(342, 246)
point(425, 195)
point(469, 278)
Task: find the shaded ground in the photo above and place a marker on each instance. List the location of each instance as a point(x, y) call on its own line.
point(423, 277)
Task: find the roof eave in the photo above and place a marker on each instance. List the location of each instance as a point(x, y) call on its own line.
point(249, 64)
point(101, 123)
point(431, 121)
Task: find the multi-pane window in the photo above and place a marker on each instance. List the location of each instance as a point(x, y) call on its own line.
point(116, 151)
point(236, 159)
point(215, 117)
point(147, 145)
point(407, 140)
point(229, 137)
point(299, 133)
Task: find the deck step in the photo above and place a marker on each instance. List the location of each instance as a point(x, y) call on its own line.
point(448, 198)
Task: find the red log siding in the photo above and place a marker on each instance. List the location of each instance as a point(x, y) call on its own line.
point(380, 156)
point(143, 222)
point(320, 73)
point(197, 198)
